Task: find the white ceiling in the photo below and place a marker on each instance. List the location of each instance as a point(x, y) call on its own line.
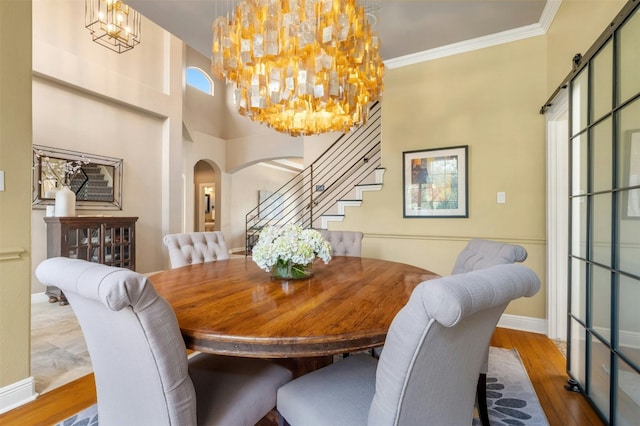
point(405, 27)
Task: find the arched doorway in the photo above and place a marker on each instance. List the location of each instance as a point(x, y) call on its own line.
point(206, 190)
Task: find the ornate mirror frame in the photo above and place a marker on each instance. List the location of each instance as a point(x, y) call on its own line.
point(91, 168)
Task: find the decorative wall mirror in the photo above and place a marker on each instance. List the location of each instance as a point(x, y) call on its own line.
point(96, 179)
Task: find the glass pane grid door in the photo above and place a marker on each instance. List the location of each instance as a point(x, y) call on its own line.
point(117, 246)
point(604, 254)
point(105, 243)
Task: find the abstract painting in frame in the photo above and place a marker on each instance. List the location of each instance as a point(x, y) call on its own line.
point(435, 183)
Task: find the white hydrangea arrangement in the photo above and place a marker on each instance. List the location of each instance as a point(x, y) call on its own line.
point(290, 243)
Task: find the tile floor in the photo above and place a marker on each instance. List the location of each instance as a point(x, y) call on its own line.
point(562, 346)
point(58, 350)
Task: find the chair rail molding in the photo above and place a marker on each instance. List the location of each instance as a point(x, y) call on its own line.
point(518, 240)
point(11, 253)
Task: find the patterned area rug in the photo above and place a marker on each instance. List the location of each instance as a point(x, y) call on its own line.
point(86, 417)
point(511, 398)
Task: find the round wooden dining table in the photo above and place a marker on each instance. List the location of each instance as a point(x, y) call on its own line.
point(233, 307)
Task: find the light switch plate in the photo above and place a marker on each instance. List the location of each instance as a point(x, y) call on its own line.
point(502, 198)
point(1, 180)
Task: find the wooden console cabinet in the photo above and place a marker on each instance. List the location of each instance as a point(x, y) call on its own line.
point(107, 240)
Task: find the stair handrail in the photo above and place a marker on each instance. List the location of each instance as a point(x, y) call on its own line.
point(347, 162)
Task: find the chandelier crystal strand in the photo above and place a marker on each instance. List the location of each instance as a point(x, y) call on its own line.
point(300, 66)
point(112, 24)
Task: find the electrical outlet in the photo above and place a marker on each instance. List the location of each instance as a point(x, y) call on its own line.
point(501, 198)
point(1, 180)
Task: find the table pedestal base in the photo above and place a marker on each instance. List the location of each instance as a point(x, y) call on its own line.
point(300, 366)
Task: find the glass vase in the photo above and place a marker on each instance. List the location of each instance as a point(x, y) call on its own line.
point(65, 204)
point(288, 270)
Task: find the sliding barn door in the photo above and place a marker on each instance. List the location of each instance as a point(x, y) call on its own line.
point(604, 242)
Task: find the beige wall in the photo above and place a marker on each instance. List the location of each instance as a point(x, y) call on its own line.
point(576, 26)
point(90, 125)
point(489, 100)
point(211, 150)
point(201, 111)
point(244, 189)
point(90, 99)
point(15, 202)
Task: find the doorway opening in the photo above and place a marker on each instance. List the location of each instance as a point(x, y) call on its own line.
point(206, 207)
point(557, 118)
point(206, 190)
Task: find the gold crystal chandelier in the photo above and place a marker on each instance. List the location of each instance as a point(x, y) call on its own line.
point(112, 24)
point(301, 67)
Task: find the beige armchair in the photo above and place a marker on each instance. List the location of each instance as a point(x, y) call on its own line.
point(432, 356)
point(344, 243)
point(195, 247)
point(140, 361)
point(480, 254)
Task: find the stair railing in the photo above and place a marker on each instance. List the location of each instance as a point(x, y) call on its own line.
point(348, 162)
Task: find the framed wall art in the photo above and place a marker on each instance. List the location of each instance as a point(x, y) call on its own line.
point(435, 183)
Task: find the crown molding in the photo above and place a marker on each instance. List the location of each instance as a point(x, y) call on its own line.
point(533, 30)
point(549, 13)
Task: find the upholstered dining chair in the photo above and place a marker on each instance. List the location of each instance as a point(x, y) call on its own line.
point(142, 373)
point(480, 254)
point(344, 243)
point(432, 356)
point(195, 247)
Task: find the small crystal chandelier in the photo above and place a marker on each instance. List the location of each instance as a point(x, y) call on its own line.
point(301, 67)
point(112, 24)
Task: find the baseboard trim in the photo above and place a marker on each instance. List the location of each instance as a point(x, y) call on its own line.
point(517, 322)
point(17, 394)
point(39, 297)
point(627, 339)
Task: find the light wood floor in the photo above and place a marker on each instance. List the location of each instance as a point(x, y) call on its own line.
point(544, 363)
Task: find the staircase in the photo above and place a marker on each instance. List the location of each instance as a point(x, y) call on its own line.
point(321, 192)
point(356, 201)
point(92, 184)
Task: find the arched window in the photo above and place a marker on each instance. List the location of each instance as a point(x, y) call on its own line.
point(200, 80)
